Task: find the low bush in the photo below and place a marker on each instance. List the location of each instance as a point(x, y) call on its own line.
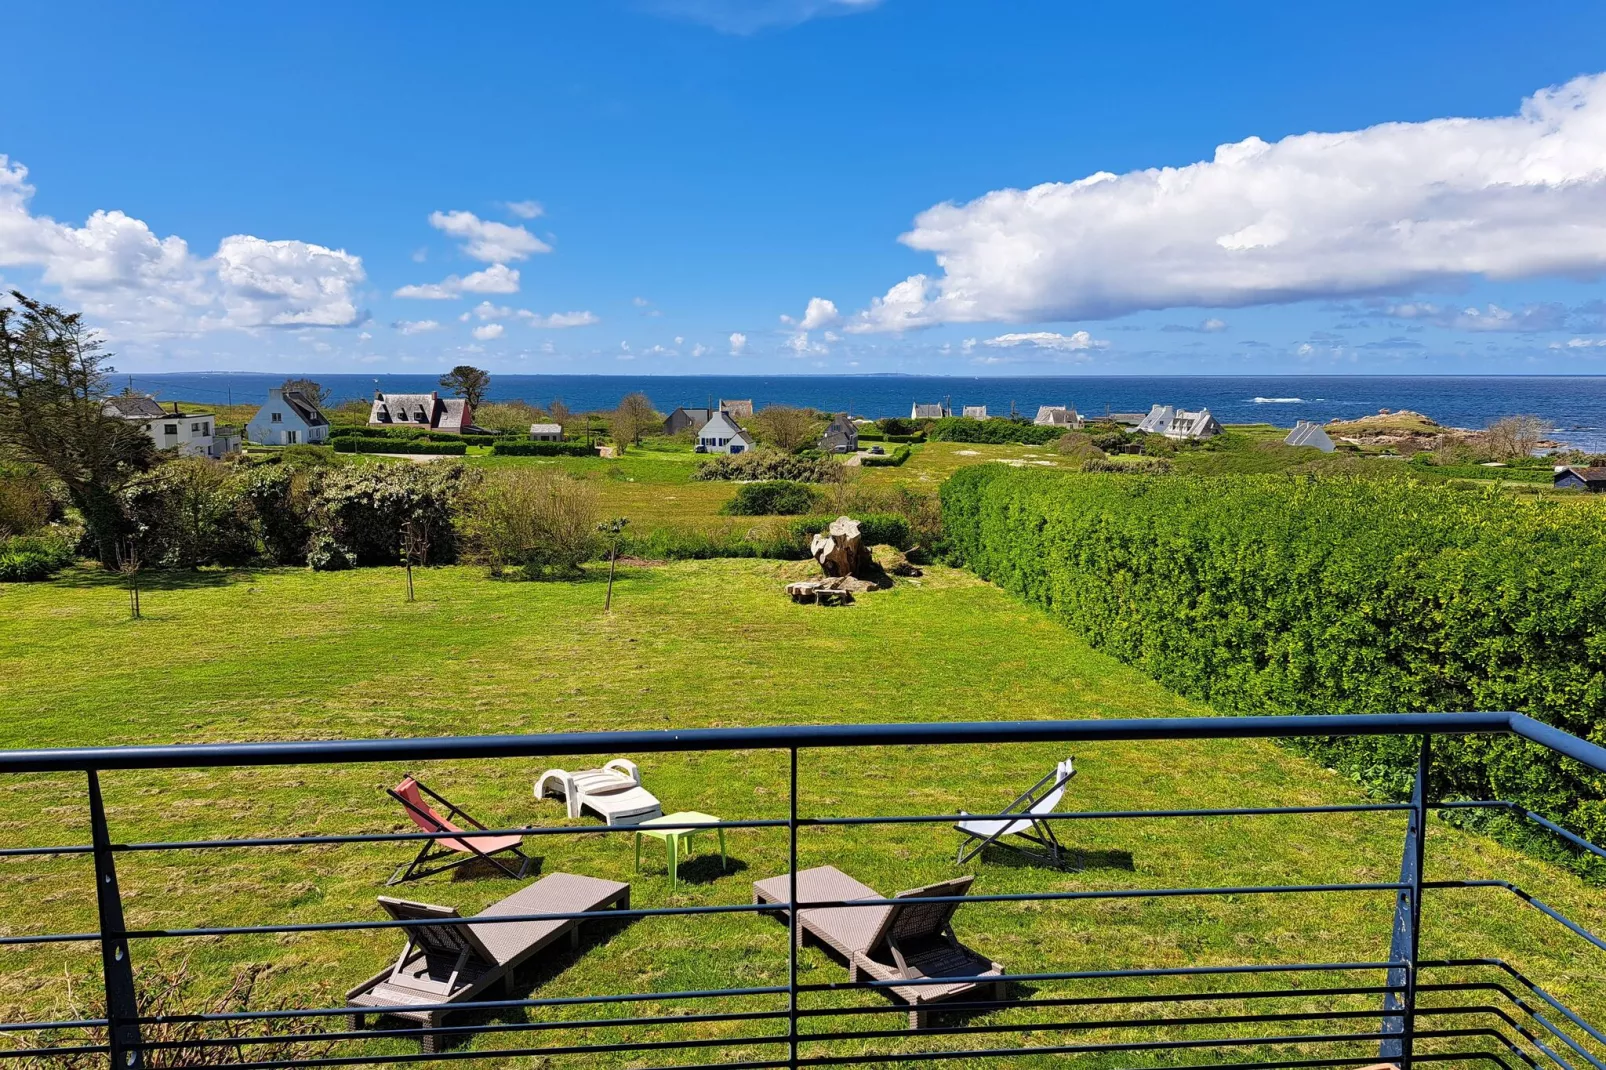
point(1277, 595)
point(1138, 466)
point(528, 448)
point(364, 444)
point(897, 425)
point(359, 514)
point(27, 558)
point(775, 497)
point(877, 528)
point(891, 460)
point(24, 503)
point(767, 464)
point(187, 513)
point(997, 431)
point(538, 520)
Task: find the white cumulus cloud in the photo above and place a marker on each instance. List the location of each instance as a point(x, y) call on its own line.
point(1080, 340)
point(123, 276)
point(496, 279)
point(486, 331)
point(819, 313)
point(487, 240)
point(1392, 206)
point(560, 320)
point(1549, 317)
point(738, 343)
point(526, 209)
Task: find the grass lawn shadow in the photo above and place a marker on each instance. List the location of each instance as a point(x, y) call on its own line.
point(479, 870)
point(89, 577)
point(706, 869)
point(1071, 860)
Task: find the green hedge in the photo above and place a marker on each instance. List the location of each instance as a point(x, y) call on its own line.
point(525, 448)
point(410, 433)
point(26, 558)
point(674, 544)
point(1277, 595)
point(996, 431)
point(890, 460)
point(1546, 475)
point(878, 529)
point(400, 445)
point(772, 497)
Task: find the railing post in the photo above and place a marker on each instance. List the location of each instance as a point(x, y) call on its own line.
point(1399, 1014)
point(794, 926)
point(117, 967)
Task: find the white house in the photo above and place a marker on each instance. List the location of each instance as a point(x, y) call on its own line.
point(721, 435)
point(190, 433)
point(1172, 422)
point(918, 411)
point(290, 418)
point(1058, 416)
point(1306, 433)
point(975, 412)
point(546, 432)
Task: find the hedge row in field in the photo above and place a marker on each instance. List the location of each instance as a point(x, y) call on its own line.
point(890, 460)
point(997, 431)
point(400, 445)
point(526, 448)
point(1272, 595)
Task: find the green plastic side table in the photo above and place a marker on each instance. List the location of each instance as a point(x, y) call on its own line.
point(673, 840)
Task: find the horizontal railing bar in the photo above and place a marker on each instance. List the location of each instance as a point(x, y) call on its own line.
point(510, 1004)
point(1502, 964)
point(74, 1023)
point(481, 1027)
point(1089, 1049)
point(1533, 901)
point(1516, 1027)
point(23, 852)
point(783, 737)
point(741, 908)
point(1554, 1030)
point(37, 1053)
point(471, 1053)
point(1539, 819)
point(558, 830)
point(1113, 1000)
point(1098, 1023)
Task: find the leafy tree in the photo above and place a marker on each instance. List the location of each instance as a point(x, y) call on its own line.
point(310, 389)
point(468, 383)
point(786, 428)
point(633, 418)
point(52, 386)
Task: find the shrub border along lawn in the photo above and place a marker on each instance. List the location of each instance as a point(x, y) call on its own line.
point(1271, 595)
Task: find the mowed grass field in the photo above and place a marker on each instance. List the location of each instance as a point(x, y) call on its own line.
point(289, 654)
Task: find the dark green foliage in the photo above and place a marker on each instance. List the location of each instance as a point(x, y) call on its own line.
point(420, 433)
point(1138, 466)
point(768, 464)
point(526, 448)
point(891, 460)
point(25, 558)
point(278, 497)
point(995, 431)
point(878, 529)
point(1544, 472)
point(775, 497)
point(357, 444)
point(896, 425)
point(358, 514)
point(187, 513)
point(1276, 595)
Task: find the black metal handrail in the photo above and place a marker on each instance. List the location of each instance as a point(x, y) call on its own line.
point(1521, 1029)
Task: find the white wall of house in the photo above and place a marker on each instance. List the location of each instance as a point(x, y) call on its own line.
point(278, 424)
point(190, 433)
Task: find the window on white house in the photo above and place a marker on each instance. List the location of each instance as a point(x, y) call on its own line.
point(170, 429)
point(276, 418)
point(290, 438)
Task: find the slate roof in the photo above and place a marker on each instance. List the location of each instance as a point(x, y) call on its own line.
point(305, 408)
point(134, 407)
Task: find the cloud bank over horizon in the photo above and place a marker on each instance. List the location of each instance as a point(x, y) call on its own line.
point(1392, 207)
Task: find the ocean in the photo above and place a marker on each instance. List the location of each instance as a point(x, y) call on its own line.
point(1574, 405)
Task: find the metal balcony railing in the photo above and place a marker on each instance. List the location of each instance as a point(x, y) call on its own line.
point(1517, 1022)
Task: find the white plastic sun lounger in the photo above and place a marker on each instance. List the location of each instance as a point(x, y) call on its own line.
point(614, 792)
point(1041, 798)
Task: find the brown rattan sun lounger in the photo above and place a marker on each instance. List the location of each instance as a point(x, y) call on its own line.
point(904, 941)
point(455, 963)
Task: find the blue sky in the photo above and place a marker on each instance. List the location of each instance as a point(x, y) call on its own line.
point(650, 186)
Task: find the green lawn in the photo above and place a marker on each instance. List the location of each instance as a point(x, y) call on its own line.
point(292, 654)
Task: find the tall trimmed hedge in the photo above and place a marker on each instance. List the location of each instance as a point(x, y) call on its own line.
point(523, 448)
point(400, 445)
point(1277, 595)
point(890, 460)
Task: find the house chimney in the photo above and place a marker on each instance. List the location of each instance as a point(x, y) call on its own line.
point(379, 395)
point(435, 395)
